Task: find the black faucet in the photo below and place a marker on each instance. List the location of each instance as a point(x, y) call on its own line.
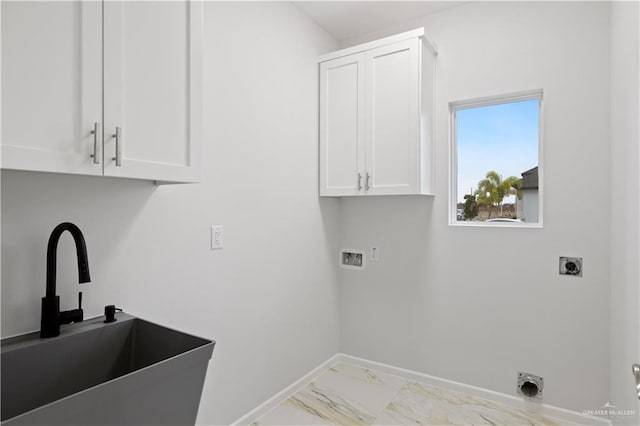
point(51, 316)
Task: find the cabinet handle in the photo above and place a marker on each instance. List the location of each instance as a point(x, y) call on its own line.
point(96, 137)
point(359, 181)
point(366, 183)
point(118, 136)
point(636, 373)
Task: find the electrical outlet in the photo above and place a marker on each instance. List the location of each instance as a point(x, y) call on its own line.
point(375, 254)
point(571, 266)
point(217, 237)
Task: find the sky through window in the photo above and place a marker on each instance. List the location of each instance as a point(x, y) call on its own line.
point(503, 138)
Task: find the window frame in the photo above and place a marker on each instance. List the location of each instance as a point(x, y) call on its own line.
point(454, 106)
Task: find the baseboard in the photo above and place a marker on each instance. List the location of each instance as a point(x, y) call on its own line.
point(285, 393)
point(541, 409)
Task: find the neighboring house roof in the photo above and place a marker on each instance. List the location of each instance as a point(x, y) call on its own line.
point(530, 179)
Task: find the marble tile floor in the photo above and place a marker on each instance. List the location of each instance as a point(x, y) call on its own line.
point(348, 394)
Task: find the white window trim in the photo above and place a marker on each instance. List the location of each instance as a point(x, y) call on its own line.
point(453, 156)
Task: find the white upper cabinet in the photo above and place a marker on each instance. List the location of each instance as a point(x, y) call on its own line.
point(131, 68)
point(342, 125)
point(393, 111)
point(152, 89)
point(376, 108)
point(51, 86)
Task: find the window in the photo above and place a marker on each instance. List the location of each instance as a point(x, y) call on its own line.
point(496, 175)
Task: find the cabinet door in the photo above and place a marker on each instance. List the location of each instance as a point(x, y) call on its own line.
point(51, 86)
point(152, 89)
point(342, 120)
point(393, 118)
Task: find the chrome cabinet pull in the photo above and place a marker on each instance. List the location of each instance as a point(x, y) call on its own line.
point(359, 181)
point(118, 136)
point(636, 372)
point(96, 137)
point(366, 183)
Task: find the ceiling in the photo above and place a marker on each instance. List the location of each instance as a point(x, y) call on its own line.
point(348, 19)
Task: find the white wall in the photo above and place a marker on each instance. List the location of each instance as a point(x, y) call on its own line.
point(477, 305)
point(474, 305)
point(625, 253)
point(269, 298)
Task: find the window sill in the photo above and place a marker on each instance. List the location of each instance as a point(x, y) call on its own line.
point(495, 225)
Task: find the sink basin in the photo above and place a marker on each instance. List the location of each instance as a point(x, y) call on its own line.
point(129, 372)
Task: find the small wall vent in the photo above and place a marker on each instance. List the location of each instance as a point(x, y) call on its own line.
point(530, 385)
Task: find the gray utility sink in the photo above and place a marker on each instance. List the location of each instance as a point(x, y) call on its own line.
point(129, 372)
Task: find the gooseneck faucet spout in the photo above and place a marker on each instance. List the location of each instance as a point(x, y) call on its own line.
point(51, 316)
point(52, 255)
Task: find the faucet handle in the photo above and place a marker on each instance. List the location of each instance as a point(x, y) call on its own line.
point(79, 313)
point(73, 315)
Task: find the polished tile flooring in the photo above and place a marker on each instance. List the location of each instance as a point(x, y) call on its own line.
point(348, 394)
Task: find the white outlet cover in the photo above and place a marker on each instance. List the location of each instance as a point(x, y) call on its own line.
point(374, 253)
point(217, 237)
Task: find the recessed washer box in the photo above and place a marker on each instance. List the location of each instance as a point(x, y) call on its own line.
point(352, 259)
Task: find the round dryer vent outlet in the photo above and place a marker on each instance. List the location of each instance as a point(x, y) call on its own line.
point(530, 385)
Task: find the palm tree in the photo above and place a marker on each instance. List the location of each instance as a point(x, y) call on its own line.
point(492, 190)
